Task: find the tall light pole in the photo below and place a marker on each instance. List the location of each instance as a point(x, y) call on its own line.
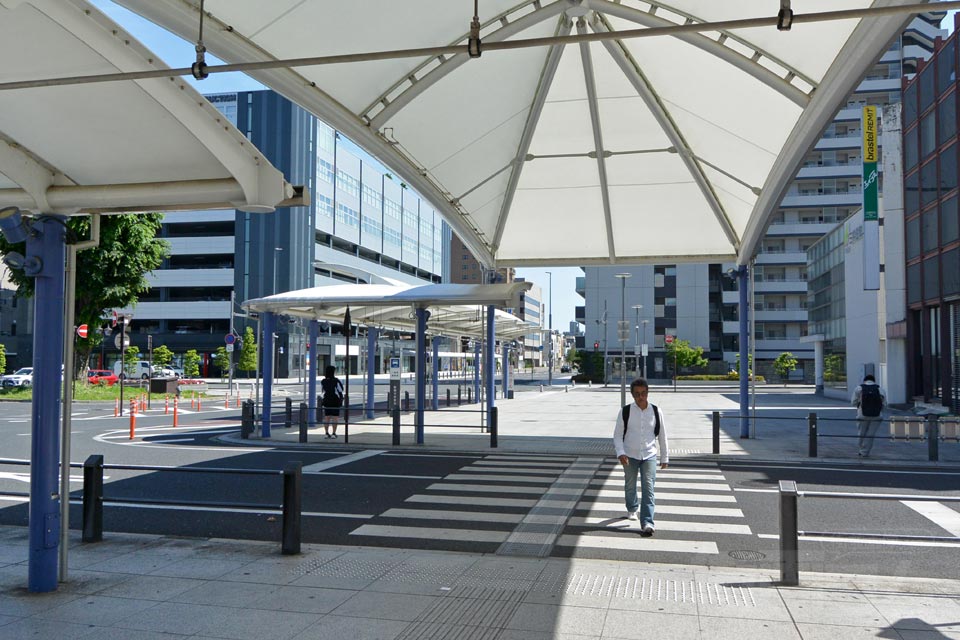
point(623, 332)
point(636, 348)
point(642, 350)
point(550, 330)
point(276, 253)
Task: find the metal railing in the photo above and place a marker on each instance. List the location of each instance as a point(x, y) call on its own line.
point(790, 532)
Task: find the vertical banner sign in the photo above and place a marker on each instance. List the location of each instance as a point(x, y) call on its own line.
point(871, 216)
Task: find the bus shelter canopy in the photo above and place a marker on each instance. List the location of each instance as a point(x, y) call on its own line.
point(455, 309)
point(586, 131)
point(144, 145)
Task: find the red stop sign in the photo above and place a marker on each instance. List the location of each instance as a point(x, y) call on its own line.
point(82, 331)
point(668, 339)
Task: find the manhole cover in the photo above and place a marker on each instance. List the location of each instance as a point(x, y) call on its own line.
point(746, 554)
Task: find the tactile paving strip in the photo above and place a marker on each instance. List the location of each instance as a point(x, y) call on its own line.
point(467, 613)
point(640, 588)
point(347, 567)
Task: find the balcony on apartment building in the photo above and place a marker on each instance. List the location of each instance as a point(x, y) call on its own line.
point(779, 285)
point(769, 348)
point(799, 228)
point(581, 286)
point(848, 140)
point(782, 256)
point(776, 313)
point(832, 170)
point(814, 198)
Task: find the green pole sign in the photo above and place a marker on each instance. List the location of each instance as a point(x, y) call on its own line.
point(870, 176)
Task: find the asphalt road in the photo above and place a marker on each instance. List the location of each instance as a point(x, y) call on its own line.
point(708, 513)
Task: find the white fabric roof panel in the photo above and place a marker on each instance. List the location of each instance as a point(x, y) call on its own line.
point(739, 110)
point(116, 146)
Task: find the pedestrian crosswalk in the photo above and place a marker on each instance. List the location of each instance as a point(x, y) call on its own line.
point(562, 505)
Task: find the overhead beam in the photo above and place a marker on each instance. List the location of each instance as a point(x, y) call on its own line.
point(591, 84)
point(736, 59)
point(448, 65)
point(25, 170)
point(530, 127)
point(649, 96)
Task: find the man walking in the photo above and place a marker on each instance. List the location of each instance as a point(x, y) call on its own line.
point(869, 399)
point(639, 429)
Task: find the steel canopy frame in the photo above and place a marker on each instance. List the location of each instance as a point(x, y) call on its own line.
point(811, 90)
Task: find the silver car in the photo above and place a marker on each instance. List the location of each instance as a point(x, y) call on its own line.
point(19, 378)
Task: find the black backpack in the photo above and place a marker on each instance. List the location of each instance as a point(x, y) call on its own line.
point(656, 418)
point(871, 402)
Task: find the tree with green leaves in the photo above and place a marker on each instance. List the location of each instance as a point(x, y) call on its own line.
point(191, 364)
point(222, 360)
point(248, 352)
point(834, 368)
point(574, 357)
point(3, 358)
point(684, 355)
point(109, 276)
point(162, 355)
point(130, 357)
point(749, 367)
point(784, 364)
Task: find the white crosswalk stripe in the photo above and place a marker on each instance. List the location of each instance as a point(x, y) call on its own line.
point(663, 496)
point(631, 542)
point(622, 524)
point(618, 507)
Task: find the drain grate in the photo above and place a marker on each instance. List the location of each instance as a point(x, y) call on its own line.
point(746, 554)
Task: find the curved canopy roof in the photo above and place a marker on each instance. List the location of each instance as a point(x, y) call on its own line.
point(629, 150)
point(119, 146)
point(455, 309)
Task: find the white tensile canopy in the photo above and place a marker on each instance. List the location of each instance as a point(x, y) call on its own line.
point(455, 309)
point(674, 143)
point(146, 145)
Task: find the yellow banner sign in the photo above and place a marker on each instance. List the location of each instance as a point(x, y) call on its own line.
point(869, 134)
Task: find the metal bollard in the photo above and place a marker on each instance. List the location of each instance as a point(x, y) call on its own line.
point(288, 415)
point(566, 388)
point(469, 395)
point(812, 445)
point(93, 499)
point(406, 401)
point(541, 388)
point(493, 427)
point(716, 432)
point(933, 438)
point(304, 412)
point(459, 391)
point(789, 539)
point(396, 426)
point(448, 397)
point(319, 406)
point(292, 503)
point(246, 418)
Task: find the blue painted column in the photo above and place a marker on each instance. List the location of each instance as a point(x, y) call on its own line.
point(488, 359)
point(421, 375)
point(476, 369)
point(744, 352)
point(269, 326)
point(506, 368)
point(47, 253)
point(314, 329)
point(372, 334)
point(435, 404)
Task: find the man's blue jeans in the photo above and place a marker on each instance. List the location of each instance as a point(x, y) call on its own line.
point(647, 470)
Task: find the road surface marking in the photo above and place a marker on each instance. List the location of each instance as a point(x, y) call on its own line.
point(440, 514)
point(632, 542)
point(602, 507)
point(430, 533)
point(336, 462)
point(892, 543)
point(662, 525)
point(939, 513)
point(663, 495)
point(477, 500)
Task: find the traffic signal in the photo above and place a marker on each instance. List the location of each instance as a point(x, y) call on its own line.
point(596, 345)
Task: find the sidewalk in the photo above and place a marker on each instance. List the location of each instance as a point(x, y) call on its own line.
point(579, 420)
point(140, 587)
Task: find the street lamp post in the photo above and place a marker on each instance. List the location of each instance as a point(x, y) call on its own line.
point(550, 331)
point(623, 332)
point(641, 348)
point(636, 350)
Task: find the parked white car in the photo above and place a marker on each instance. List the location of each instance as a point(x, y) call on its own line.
point(140, 369)
point(19, 378)
point(160, 371)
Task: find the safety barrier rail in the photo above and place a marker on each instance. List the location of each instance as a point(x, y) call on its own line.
point(790, 532)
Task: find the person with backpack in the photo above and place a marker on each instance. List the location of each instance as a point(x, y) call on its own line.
point(869, 399)
point(331, 399)
point(639, 431)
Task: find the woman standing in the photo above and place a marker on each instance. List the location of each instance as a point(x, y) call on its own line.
point(331, 393)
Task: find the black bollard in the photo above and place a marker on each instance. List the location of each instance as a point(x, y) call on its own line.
point(716, 432)
point(93, 499)
point(812, 424)
point(288, 417)
point(493, 427)
point(292, 503)
point(304, 412)
point(396, 426)
point(933, 438)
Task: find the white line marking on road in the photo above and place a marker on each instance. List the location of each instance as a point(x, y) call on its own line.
point(663, 495)
point(618, 473)
point(675, 509)
point(632, 542)
point(526, 464)
point(371, 475)
point(482, 488)
point(485, 502)
point(440, 514)
point(939, 513)
point(531, 479)
point(662, 525)
point(166, 440)
point(430, 533)
point(170, 507)
point(336, 462)
point(892, 543)
point(697, 486)
point(756, 490)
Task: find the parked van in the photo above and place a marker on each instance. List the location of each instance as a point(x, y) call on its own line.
point(140, 369)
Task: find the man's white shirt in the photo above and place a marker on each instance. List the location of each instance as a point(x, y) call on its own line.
point(641, 443)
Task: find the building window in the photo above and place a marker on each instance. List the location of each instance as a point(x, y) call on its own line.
point(324, 206)
point(347, 215)
point(324, 171)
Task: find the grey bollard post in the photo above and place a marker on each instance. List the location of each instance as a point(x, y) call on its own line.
point(304, 412)
point(396, 426)
point(288, 416)
point(789, 538)
point(566, 388)
point(469, 395)
point(448, 397)
point(292, 503)
point(812, 434)
point(933, 438)
point(246, 419)
point(93, 499)
point(493, 427)
point(541, 388)
point(459, 394)
point(406, 401)
point(319, 406)
point(716, 433)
